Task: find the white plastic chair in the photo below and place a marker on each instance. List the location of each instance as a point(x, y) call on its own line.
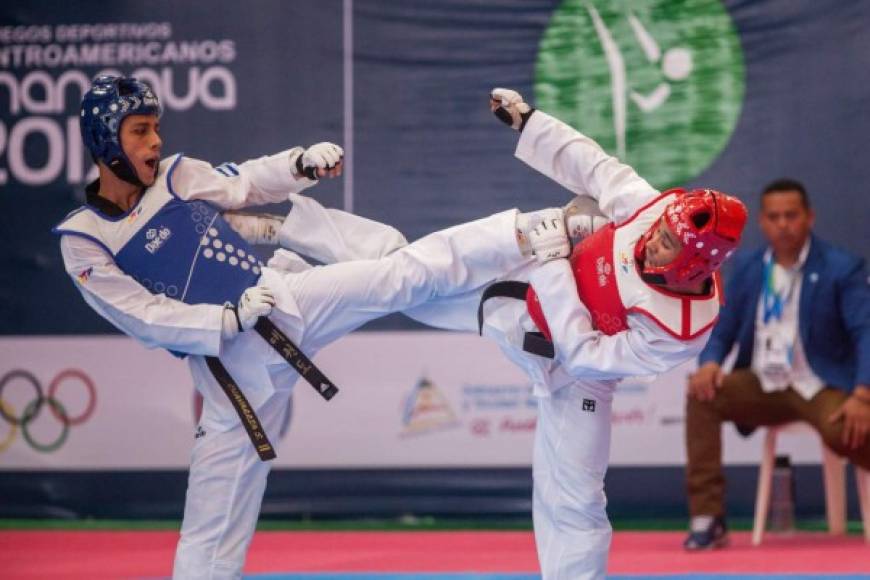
point(834, 470)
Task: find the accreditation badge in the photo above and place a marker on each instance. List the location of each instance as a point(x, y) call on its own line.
point(776, 356)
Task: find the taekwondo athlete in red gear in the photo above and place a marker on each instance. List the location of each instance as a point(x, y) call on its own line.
point(151, 252)
point(637, 297)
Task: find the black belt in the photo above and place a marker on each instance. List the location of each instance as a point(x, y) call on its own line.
point(533, 342)
point(294, 357)
point(246, 413)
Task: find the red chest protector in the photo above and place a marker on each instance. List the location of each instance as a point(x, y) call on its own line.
point(592, 262)
point(610, 286)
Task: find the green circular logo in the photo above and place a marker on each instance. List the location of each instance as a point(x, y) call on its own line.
point(658, 83)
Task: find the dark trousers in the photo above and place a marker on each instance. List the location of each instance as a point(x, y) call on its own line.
point(742, 401)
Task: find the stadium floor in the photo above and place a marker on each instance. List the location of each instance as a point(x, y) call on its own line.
point(430, 555)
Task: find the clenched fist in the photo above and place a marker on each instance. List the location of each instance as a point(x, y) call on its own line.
point(509, 107)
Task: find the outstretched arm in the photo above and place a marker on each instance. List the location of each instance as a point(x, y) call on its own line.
point(573, 160)
point(269, 179)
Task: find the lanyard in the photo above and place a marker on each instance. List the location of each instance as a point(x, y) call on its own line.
point(775, 302)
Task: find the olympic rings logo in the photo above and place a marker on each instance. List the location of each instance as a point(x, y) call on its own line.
point(33, 409)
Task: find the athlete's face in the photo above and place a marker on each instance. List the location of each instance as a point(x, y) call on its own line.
point(663, 247)
point(785, 221)
point(140, 139)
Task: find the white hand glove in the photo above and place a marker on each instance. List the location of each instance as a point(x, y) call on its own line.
point(255, 302)
point(509, 107)
point(326, 156)
point(549, 239)
point(255, 229)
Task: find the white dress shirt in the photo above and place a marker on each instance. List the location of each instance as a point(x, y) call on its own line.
point(787, 282)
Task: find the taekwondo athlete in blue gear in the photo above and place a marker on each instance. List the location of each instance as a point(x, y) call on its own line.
point(151, 252)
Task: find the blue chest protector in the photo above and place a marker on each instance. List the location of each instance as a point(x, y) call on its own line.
point(182, 249)
point(189, 252)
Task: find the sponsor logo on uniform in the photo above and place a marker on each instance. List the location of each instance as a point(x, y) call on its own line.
point(624, 261)
point(589, 405)
point(84, 275)
point(604, 270)
point(200, 432)
point(156, 238)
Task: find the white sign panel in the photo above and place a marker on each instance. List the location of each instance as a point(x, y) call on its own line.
point(408, 399)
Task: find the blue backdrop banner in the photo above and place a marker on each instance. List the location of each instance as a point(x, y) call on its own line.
point(690, 92)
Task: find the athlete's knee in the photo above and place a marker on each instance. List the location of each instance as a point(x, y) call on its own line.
point(392, 241)
point(417, 275)
point(578, 509)
point(403, 275)
point(583, 519)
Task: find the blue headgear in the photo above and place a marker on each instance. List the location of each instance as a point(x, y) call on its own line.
point(109, 101)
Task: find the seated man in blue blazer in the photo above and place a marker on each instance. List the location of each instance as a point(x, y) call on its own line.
point(799, 311)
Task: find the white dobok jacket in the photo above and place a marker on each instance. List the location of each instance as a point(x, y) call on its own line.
point(162, 271)
point(583, 352)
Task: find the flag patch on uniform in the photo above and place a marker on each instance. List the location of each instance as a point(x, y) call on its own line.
point(227, 169)
point(84, 275)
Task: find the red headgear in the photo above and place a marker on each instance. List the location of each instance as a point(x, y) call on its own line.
point(708, 224)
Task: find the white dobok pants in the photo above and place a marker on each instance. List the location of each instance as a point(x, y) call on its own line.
point(572, 438)
point(227, 478)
